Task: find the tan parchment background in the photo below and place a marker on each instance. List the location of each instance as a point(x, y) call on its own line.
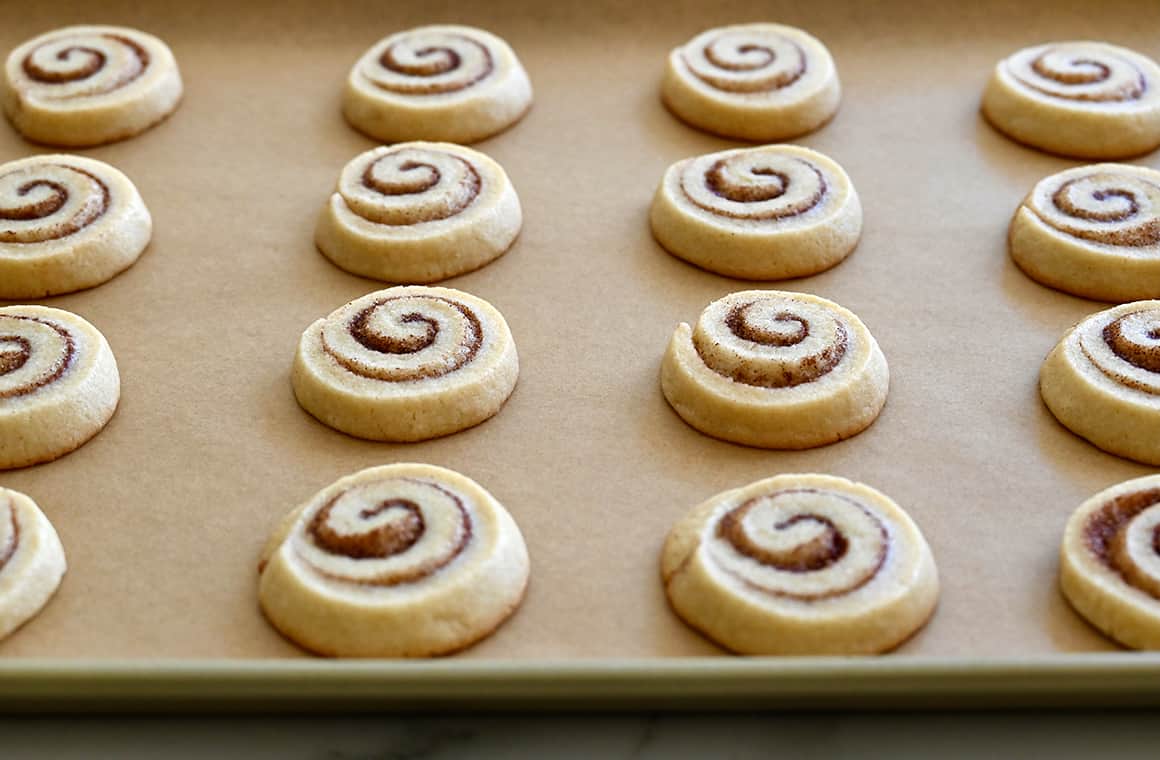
point(163, 514)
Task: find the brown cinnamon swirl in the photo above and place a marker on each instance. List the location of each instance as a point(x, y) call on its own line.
point(801, 564)
point(406, 364)
point(32, 560)
point(777, 370)
point(762, 82)
point(1093, 231)
point(58, 384)
point(1102, 380)
point(418, 213)
point(405, 560)
point(66, 223)
point(451, 83)
point(88, 85)
point(1083, 99)
point(1110, 562)
point(765, 213)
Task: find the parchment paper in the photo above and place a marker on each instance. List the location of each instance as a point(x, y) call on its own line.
point(163, 514)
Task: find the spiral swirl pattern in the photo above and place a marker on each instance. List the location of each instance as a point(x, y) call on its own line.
point(66, 223)
point(1080, 72)
point(754, 81)
point(763, 213)
point(800, 563)
point(776, 370)
point(429, 62)
point(34, 353)
point(386, 533)
point(406, 363)
point(78, 65)
point(419, 212)
point(771, 342)
point(801, 543)
point(1110, 561)
point(1082, 99)
point(48, 201)
point(452, 83)
point(373, 564)
point(746, 60)
point(31, 560)
point(88, 85)
point(58, 384)
point(1102, 380)
point(1093, 231)
point(405, 338)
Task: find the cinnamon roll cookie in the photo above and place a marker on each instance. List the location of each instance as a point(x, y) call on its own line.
point(763, 82)
point(451, 83)
point(88, 85)
point(1110, 562)
point(1102, 381)
point(31, 560)
point(801, 564)
point(405, 560)
point(66, 223)
point(1093, 231)
point(1082, 99)
point(777, 370)
point(765, 213)
point(419, 212)
point(406, 364)
point(58, 384)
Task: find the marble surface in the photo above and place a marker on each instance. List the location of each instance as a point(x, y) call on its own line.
point(732, 737)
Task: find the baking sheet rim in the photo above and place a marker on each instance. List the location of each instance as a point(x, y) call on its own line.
point(55, 685)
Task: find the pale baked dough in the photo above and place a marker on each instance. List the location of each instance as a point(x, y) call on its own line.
point(419, 212)
point(66, 223)
point(404, 560)
point(765, 213)
point(58, 384)
point(406, 364)
point(777, 370)
point(1102, 381)
point(801, 564)
point(31, 560)
point(451, 83)
point(764, 82)
point(89, 85)
point(1109, 566)
point(1083, 99)
point(1093, 231)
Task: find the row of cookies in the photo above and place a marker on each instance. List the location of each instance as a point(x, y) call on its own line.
point(88, 85)
point(412, 560)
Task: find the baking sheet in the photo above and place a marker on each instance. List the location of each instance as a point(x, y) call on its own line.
point(163, 514)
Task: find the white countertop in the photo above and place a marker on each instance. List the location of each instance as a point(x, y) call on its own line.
point(737, 737)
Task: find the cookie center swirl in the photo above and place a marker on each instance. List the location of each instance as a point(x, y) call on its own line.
point(802, 543)
point(770, 343)
point(34, 353)
point(1125, 348)
point(75, 66)
point(410, 186)
point(405, 338)
point(48, 202)
point(429, 63)
point(746, 61)
point(1080, 73)
point(403, 528)
point(9, 530)
point(387, 533)
point(753, 185)
point(1124, 535)
point(1112, 208)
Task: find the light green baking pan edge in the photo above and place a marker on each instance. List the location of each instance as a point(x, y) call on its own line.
point(67, 686)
